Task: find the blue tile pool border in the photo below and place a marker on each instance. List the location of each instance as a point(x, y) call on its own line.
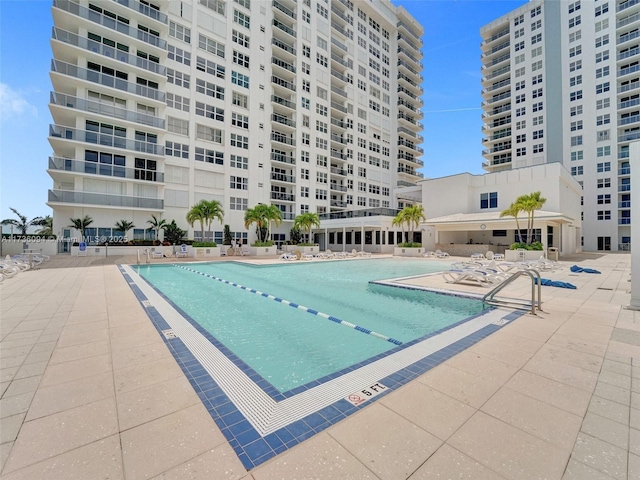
point(251, 447)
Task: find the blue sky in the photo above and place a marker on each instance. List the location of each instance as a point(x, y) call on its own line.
point(452, 121)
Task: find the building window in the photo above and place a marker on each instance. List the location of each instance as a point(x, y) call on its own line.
point(603, 167)
point(239, 183)
point(239, 141)
point(579, 170)
point(241, 19)
point(237, 203)
point(604, 199)
point(489, 200)
point(178, 31)
point(240, 79)
point(209, 156)
point(604, 214)
point(238, 161)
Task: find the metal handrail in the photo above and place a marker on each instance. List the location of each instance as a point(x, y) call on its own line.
point(488, 299)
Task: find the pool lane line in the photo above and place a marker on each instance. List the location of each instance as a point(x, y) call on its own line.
point(295, 305)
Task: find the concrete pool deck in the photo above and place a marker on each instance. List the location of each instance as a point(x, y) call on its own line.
point(89, 390)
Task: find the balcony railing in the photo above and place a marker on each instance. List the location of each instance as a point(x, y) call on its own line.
point(629, 53)
point(628, 87)
point(283, 83)
point(409, 31)
point(281, 177)
point(627, 20)
point(283, 120)
point(629, 103)
point(103, 199)
point(282, 45)
point(339, 107)
point(69, 101)
point(497, 48)
point(496, 36)
point(279, 157)
point(624, 221)
point(408, 54)
point(107, 51)
point(338, 91)
point(624, 171)
point(338, 139)
point(402, 63)
point(497, 73)
point(342, 77)
point(627, 4)
point(340, 155)
point(338, 13)
point(624, 204)
point(338, 171)
point(629, 119)
point(627, 137)
point(339, 123)
point(286, 29)
point(345, 63)
point(339, 204)
point(284, 9)
point(86, 136)
point(628, 70)
point(411, 95)
point(402, 76)
point(106, 80)
point(495, 61)
point(144, 9)
point(339, 44)
point(283, 64)
point(338, 188)
point(282, 138)
point(628, 36)
point(338, 28)
point(81, 166)
point(109, 22)
point(284, 197)
point(282, 101)
point(624, 188)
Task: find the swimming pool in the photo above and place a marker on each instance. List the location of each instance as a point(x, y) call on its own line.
point(289, 347)
point(259, 419)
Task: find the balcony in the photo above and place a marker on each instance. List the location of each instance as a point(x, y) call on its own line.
point(406, 143)
point(411, 95)
point(282, 138)
point(628, 87)
point(629, 103)
point(339, 204)
point(345, 63)
point(629, 70)
point(407, 29)
point(624, 171)
point(283, 64)
point(624, 188)
point(496, 36)
point(69, 101)
point(409, 171)
point(339, 155)
point(283, 46)
point(283, 120)
point(628, 37)
point(340, 30)
point(338, 91)
point(338, 171)
point(629, 53)
point(110, 52)
point(339, 44)
point(105, 200)
point(627, 4)
point(109, 22)
point(402, 63)
point(106, 140)
point(283, 83)
point(495, 61)
point(340, 107)
point(629, 136)
point(341, 15)
point(281, 157)
point(283, 197)
point(496, 49)
point(339, 123)
point(145, 10)
point(60, 164)
point(340, 76)
point(409, 42)
point(285, 28)
point(402, 76)
point(106, 80)
point(624, 204)
point(338, 139)
point(412, 134)
point(283, 9)
point(624, 221)
point(410, 56)
point(627, 20)
point(283, 102)
point(338, 188)
point(281, 177)
point(629, 119)
point(497, 73)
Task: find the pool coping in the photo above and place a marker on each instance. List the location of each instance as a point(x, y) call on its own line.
point(254, 445)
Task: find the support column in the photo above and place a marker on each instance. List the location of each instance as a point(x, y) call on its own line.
point(634, 163)
point(361, 238)
point(344, 238)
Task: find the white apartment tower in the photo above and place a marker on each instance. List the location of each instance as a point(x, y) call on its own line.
point(561, 83)
point(310, 105)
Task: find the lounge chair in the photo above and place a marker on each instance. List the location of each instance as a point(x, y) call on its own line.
point(362, 253)
point(157, 254)
point(441, 254)
point(288, 256)
point(473, 276)
point(340, 255)
point(498, 256)
point(429, 254)
point(8, 270)
point(477, 256)
point(325, 255)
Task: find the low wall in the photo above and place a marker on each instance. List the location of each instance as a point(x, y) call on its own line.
point(16, 247)
point(466, 250)
point(514, 255)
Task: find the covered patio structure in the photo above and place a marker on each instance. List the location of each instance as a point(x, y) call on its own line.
point(464, 234)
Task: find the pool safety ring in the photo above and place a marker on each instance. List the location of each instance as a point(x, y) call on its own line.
point(295, 305)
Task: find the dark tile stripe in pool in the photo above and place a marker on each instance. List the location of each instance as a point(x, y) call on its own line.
point(252, 448)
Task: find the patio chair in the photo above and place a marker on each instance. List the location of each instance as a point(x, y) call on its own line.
point(362, 253)
point(441, 254)
point(429, 254)
point(288, 256)
point(472, 276)
point(157, 254)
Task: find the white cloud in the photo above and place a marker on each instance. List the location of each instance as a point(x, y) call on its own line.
point(13, 104)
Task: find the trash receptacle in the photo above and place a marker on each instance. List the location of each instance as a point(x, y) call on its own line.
point(552, 253)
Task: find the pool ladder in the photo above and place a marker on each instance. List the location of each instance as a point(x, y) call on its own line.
point(489, 298)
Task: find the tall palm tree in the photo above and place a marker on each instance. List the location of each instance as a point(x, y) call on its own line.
point(81, 224)
point(46, 223)
point(124, 226)
point(197, 213)
point(258, 216)
point(274, 215)
point(513, 211)
point(22, 223)
point(530, 203)
point(305, 222)
point(156, 225)
point(414, 215)
point(213, 211)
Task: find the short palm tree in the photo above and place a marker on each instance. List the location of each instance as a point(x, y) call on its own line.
point(124, 226)
point(274, 215)
point(305, 222)
point(530, 203)
point(258, 216)
point(81, 224)
point(414, 215)
point(399, 221)
point(195, 214)
point(204, 212)
point(46, 223)
point(157, 224)
point(214, 211)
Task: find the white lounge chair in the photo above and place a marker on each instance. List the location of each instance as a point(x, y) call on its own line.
point(287, 256)
point(429, 254)
point(157, 254)
point(362, 253)
point(441, 254)
point(470, 276)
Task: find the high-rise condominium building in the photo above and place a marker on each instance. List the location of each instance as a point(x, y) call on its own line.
point(561, 83)
point(310, 105)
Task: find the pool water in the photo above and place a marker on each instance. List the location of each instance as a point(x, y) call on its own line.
point(289, 347)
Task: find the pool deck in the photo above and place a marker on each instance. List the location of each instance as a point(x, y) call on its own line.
point(89, 391)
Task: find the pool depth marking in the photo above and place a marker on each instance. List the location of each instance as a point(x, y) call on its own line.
point(295, 305)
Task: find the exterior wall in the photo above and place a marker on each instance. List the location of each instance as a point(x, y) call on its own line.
point(234, 101)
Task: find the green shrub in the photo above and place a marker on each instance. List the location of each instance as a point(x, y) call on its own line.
point(205, 244)
point(268, 243)
point(526, 246)
point(410, 245)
